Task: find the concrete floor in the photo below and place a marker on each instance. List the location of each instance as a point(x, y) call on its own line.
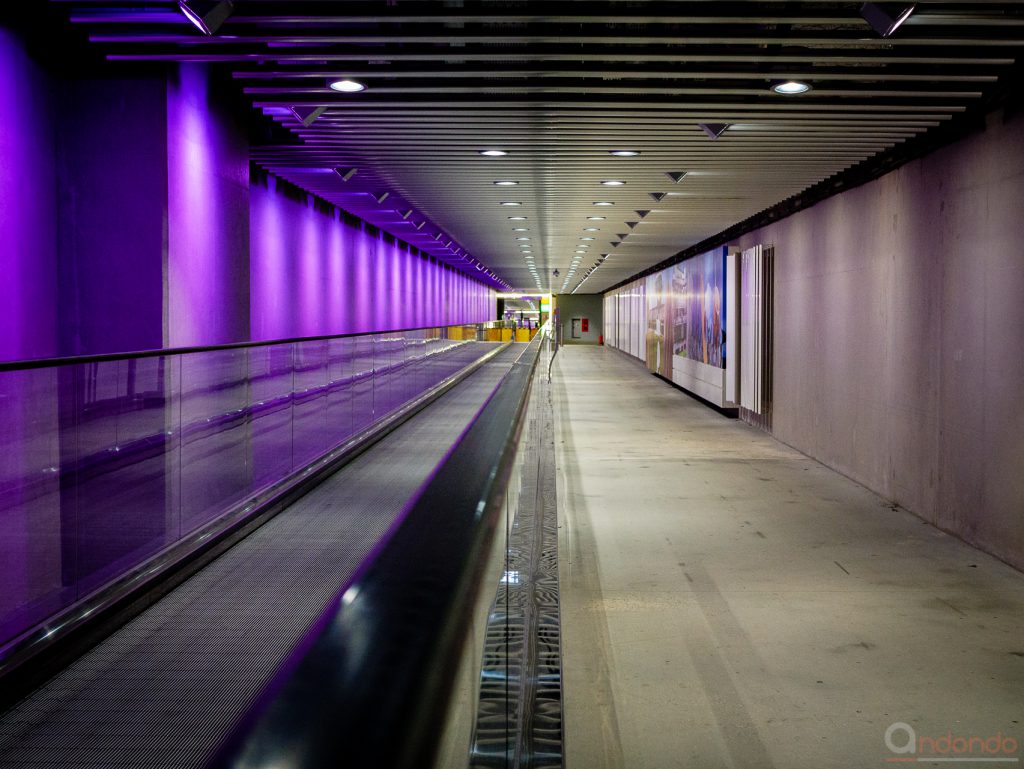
point(729, 602)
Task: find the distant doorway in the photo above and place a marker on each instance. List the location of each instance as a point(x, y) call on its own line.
point(576, 328)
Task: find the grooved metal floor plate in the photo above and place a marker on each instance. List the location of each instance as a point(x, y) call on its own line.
point(163, 690)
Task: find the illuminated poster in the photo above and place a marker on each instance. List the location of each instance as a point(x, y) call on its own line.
point(656, 338)
point(705, 310)
point(676, 313)
point(680, 320)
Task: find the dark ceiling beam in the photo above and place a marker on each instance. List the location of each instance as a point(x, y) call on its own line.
point(451, 36)
point(546, 73)
point(634, 93)
point(299, 14)
point(878, 58)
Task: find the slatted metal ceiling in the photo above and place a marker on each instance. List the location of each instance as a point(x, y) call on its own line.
point(558, 85)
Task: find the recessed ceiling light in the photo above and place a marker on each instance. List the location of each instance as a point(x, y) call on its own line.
point(493, 153)
point(586, 238)
point(527, 251)
point(623, 153)
point(612, 183)
point(791, 87)
point(520, 229)
point(509, 203)
point(347, 86)
point(523, 237)
point(580, 252)
point(506, 183)
point(595, 218)
point(603, 203)
point(517, 218)
point(591, 229)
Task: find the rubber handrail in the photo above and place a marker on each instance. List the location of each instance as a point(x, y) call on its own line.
point(369, 684)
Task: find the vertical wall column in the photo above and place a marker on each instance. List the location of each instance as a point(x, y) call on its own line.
point(207, 214)
point(28, 299)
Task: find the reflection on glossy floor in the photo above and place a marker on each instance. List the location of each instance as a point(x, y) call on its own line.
point(728, 602)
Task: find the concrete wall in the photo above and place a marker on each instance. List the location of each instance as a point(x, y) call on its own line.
point(589, 306)
point(899, 331)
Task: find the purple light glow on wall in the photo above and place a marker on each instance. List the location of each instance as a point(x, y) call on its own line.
point(314, 274)
point(208, 216)
point(28, 312)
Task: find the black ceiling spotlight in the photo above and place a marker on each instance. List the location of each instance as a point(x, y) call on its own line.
point(308, 115)
point(713, 130)
point(208, 15)
point(886, 18)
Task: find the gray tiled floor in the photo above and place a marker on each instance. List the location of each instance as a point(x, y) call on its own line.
point(729, 602)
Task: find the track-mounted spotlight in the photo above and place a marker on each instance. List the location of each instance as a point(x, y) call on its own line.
point(308, 115)
point(713, 130)
point(886, 18)
point(207, 15)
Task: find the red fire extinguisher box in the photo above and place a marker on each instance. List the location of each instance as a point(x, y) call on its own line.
point(585, 325)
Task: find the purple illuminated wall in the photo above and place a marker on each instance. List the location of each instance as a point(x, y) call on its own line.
point(207, 214)
point(127, 224)
point(28, 312)
point(314, 272)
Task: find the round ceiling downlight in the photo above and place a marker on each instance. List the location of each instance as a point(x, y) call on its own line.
point(347, 86)
point(791, 88)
